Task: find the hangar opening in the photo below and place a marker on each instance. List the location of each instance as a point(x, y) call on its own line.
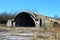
point(24, 19)
point(40, 22)
point(55, 24)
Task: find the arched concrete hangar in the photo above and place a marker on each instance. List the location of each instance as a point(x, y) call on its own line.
point(28, 19)
point(25, 19)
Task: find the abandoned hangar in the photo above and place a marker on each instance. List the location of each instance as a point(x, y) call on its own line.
point(29, 19)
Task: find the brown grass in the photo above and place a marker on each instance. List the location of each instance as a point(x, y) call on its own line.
point(36, 29)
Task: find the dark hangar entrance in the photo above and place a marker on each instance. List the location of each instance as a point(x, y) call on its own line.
point(24, 19)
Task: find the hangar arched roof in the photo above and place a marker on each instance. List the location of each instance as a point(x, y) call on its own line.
point(28, 13)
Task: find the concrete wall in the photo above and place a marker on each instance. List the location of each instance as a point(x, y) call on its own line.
point(9, 23)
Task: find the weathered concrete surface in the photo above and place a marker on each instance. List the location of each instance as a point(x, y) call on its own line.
point(9, 23)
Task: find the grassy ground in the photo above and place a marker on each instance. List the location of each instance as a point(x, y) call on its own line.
point(41, 33)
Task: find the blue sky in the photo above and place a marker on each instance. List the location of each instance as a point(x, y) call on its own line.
point(44, 7)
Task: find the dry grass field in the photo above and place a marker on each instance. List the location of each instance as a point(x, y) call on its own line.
point(37, 33)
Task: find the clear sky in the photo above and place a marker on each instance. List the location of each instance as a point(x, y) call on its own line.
point(44, 7)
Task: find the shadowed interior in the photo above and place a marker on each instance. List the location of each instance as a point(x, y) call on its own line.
point(24, 19)
point(40, 22)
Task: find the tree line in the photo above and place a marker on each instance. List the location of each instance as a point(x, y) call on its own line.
point(4, 16)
